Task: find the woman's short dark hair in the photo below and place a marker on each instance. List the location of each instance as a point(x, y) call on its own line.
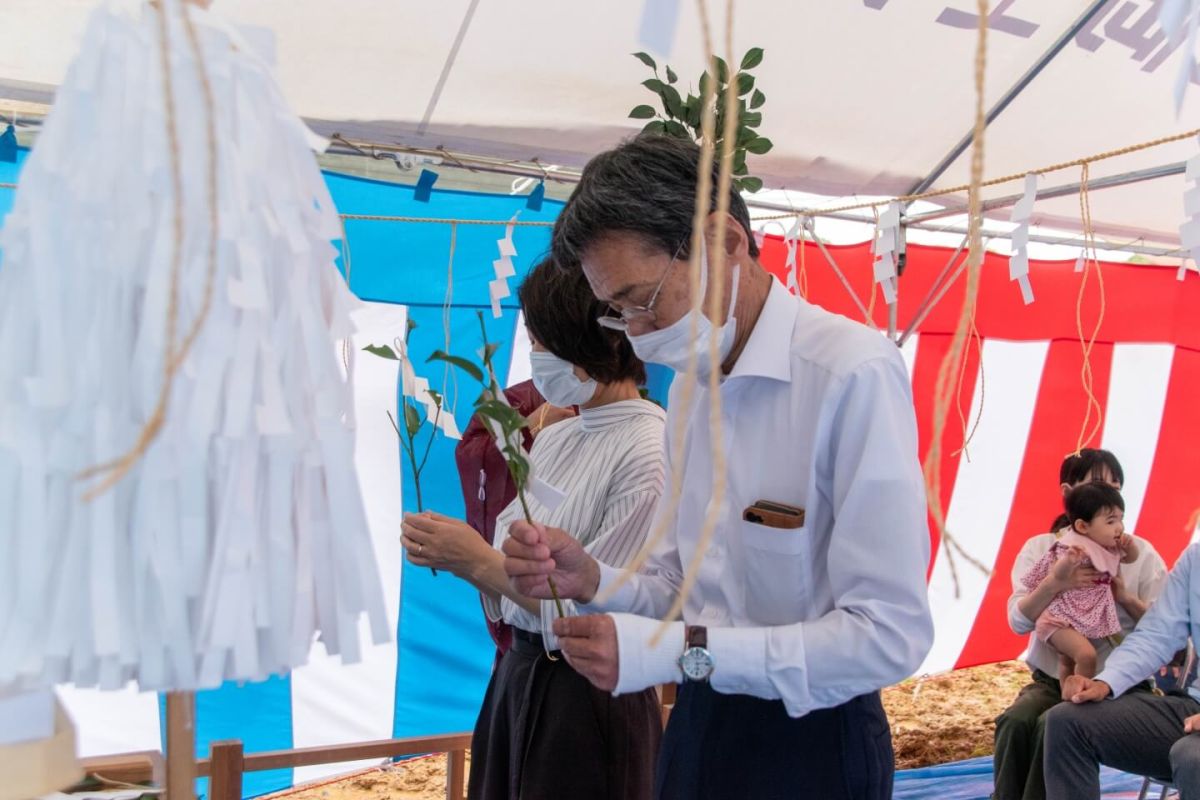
point(645, 186)
point(1090, 462)
point(1088, 499)
point(1078, 467)
point(561, 312)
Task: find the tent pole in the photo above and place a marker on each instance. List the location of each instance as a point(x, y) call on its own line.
point(1003, 103)
point(181, 745)
point(1123, 179)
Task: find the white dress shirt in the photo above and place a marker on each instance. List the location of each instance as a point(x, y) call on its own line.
point(1144, 577)
point(608, 461)
point(817, 413)
point(1162, 632)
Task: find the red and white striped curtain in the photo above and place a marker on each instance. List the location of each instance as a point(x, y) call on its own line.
point(1145, 368)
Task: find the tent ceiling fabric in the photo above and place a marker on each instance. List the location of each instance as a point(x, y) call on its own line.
point(863, 96)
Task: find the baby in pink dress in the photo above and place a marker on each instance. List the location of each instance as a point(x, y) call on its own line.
point(1097, 538)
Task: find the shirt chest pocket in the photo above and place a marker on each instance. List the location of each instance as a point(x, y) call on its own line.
point(777, 573)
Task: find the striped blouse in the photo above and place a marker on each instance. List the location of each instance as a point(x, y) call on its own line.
point(609, 462)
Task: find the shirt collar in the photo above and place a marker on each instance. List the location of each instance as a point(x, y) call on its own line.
point(618, 413)
point(767, 353)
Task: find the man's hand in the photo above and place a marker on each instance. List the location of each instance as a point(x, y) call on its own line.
point(534, 552)
point(1192, 724)
point(1069, 572)
point(1079, 689)
point(590, 646)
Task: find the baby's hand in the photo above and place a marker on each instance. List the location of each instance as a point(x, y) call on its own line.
point(1124, 541)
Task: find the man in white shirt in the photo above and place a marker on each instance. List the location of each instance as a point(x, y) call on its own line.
point(1135, 732)
point(812, 596)
point(1020, 728)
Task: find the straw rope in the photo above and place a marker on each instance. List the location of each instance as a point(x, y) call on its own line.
point(664, 521)
point(802, 272)
point(1015, 176)
point(173, 356)
point(1090, 259)
point(951, 365)
point(717, 271)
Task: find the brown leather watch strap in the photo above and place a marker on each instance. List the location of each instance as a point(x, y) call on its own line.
point(697, 636)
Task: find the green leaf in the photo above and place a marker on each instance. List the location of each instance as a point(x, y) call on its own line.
point(671, 76)
point(760, 145)
point(753, 58)
point(745, 82)
point(509, 418)
point(654, 85)
point(412, 420)
point(672, 102)
point(722, 70)
point(381, 350)
point(645, 59)
point(742, 170)
point(739, 159)
point(642, 112)
point(489, 350)
point(752, 119)
point(657, 126)
point(675, 129)
point(704, 79)
point(757, 99)
point(751, 184)
point(745, 137)
point(692, 111)
point(462, 363)
point(437, 397)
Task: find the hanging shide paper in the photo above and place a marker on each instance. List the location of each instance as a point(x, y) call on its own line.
point(238, 535)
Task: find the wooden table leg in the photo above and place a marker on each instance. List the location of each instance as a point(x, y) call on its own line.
point(181, 746)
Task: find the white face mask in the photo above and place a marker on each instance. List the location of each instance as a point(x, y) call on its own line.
point(556, 380)
point(670, 346)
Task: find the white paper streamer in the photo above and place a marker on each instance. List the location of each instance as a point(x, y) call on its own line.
point(1189, 231)
point(240, 536)
point(503, 267)
point(791, 238)
point(1172, 14)
point(414, 386)
point(887, 238)
point(1018, 263)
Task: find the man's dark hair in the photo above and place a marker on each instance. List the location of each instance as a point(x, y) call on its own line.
point(561, 313)
point(1090, 461)
point(1088, 499)
point(645, 186)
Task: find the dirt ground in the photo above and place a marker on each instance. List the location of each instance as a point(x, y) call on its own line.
point(944, 718)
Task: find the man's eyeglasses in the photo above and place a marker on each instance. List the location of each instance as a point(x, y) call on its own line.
point(640, 314)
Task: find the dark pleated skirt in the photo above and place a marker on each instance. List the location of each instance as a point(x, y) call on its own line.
point(546, 733)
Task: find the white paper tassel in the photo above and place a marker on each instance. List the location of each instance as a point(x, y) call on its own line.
point(1018, 263)
point(240, 535)
point(503, 266)
point(414, 386)
point(887, 240)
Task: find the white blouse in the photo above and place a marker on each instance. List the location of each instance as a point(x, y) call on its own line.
point(608, 462)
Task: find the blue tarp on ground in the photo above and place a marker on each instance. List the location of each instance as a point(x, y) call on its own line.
point(972, 780)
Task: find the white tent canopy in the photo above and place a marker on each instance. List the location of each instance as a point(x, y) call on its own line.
point(863, 96)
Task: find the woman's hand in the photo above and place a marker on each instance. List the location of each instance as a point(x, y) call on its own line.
point(435, 540)
point(1069, 572)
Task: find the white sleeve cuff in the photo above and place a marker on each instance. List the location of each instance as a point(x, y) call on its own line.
point(639, 664)
point(623, 598)
point(740, 661)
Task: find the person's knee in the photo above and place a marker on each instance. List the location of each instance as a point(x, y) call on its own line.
point(1185, 760)
point(1016, 721)
point(1065, 720)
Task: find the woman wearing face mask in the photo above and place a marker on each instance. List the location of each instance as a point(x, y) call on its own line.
point(544, 730)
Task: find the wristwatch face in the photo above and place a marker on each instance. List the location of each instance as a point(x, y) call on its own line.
point(696, 663)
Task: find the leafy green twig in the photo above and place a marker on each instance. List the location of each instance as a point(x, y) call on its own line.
point(414, 419)
point(504, 421)
point(680, 117)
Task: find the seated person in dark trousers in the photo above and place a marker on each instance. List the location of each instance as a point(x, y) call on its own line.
point(1137, 732)
point(1020, 729)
